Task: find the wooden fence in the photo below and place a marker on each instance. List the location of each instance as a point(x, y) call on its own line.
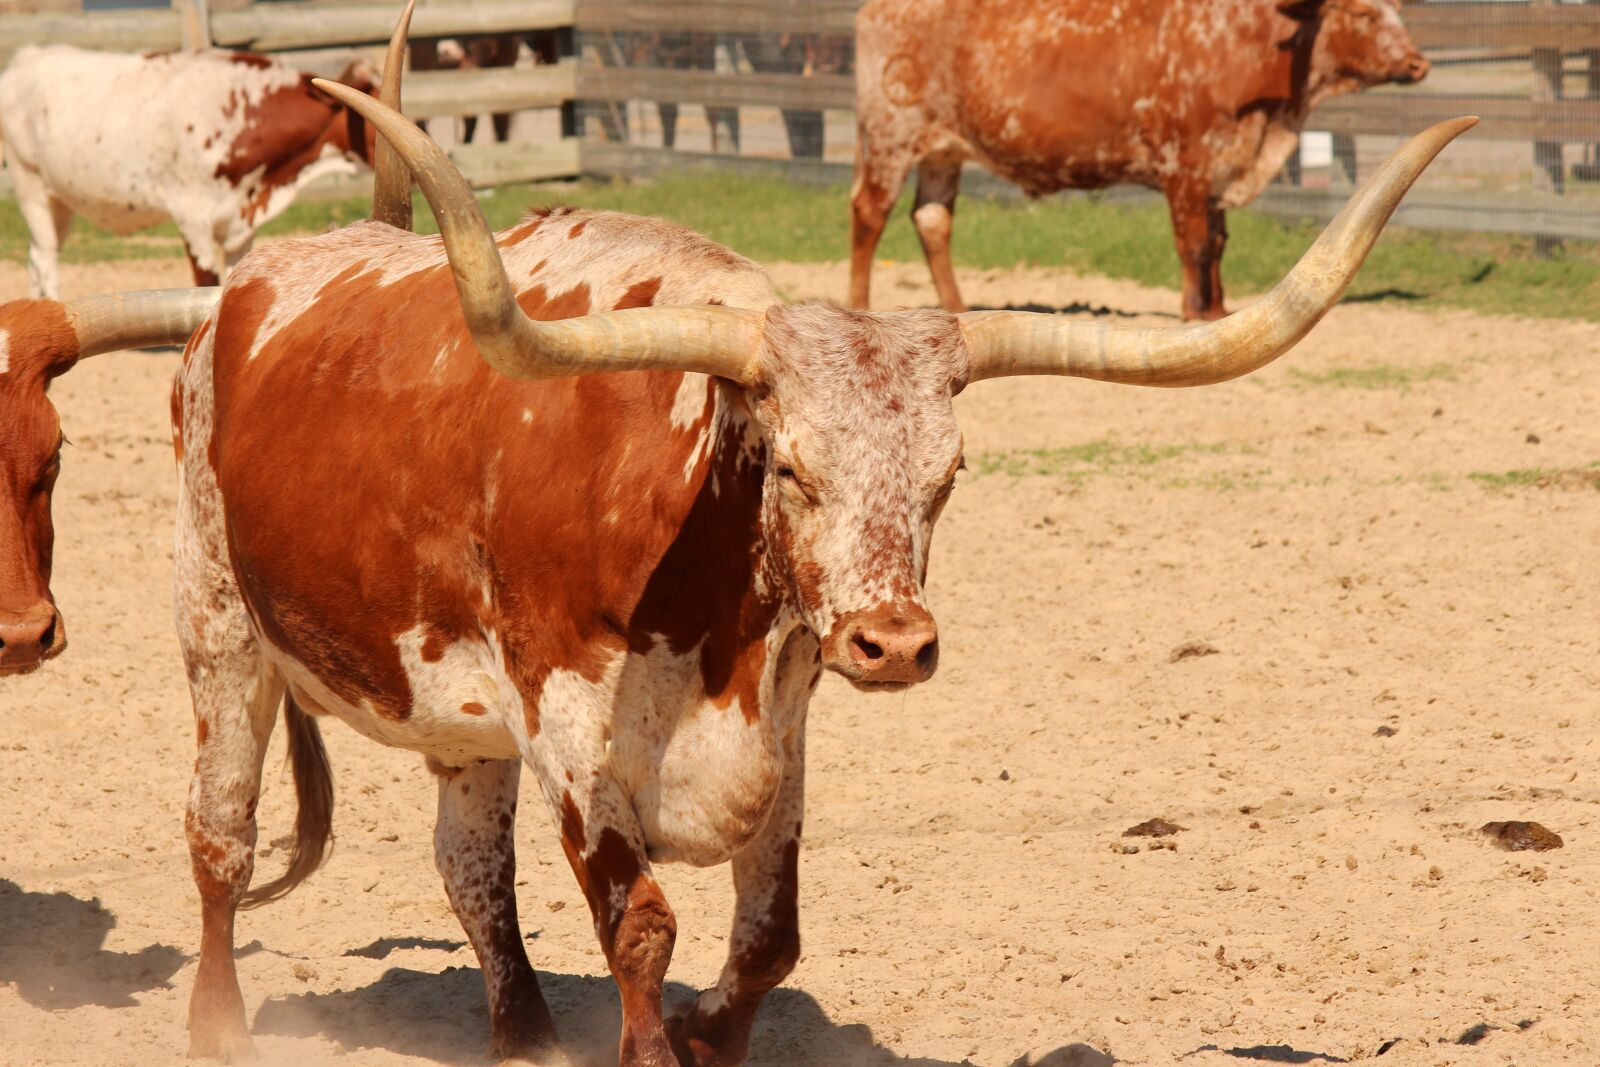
point(737, 58)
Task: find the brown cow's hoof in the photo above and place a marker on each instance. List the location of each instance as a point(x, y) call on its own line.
point(697, 1044)
point(223, 1047)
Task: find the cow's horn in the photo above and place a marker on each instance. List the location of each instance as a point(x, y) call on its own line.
point(391, 181)
point(712, 340)
point(110, 322)
point(1001, 343)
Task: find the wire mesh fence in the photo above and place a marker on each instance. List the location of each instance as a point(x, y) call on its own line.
point(768, 86)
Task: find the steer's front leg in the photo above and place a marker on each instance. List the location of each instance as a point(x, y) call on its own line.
point(765, 943)
point(635, 926)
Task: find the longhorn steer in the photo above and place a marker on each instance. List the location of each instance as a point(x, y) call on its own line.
point(217, 142)
point(40, 340)
point(1202, 99)
point(629, 582)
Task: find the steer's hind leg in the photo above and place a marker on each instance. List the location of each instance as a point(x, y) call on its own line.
point(879, 177)
point(473, 846)
point(938, 181)
point(1200, 230)
point(236, 697)
point(765, 943)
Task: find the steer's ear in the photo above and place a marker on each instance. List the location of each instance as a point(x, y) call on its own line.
point(37, 341)
point(1301, 9)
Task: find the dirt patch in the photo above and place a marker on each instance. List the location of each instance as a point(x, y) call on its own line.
point(950, 915)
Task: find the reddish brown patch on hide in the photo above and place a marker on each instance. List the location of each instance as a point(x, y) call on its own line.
point(284, 132)
point(639, 295)
point(473, 708)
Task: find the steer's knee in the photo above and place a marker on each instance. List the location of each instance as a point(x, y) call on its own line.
point(933, 223)
point(641, 946)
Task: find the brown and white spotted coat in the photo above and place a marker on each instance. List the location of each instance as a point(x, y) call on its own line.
point(216, 142)
point(628, 583)
point(1202, 99)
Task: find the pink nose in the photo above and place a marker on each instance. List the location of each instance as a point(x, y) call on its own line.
point(1414, 69)
point(28, 638)
point(896, 647)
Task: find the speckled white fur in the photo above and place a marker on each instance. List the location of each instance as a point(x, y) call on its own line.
point(129, 141)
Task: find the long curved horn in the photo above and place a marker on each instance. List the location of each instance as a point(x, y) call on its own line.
point(712, 340)
point(111, 322)
point(391, 181)
point(1003, 343)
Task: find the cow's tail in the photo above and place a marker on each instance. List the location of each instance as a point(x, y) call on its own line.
point(313, 822)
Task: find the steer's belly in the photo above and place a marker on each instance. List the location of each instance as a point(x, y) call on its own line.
point(455, 717)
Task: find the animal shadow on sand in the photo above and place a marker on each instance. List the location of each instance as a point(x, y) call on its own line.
point(52, 947)
point(1272, 1054)
point(1098, 311)
point(441, 1016)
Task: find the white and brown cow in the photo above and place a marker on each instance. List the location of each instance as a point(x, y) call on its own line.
point(216, 142)
point(39, 341)
point(1201, 99)
point(585, 497)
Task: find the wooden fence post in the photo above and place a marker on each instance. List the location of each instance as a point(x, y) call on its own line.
point(1344, 159)
point(1549, 168)
point(196, 17)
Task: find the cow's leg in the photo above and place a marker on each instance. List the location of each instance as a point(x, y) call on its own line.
point(469, 127)
point(48, 220)
point(765, 943)
point(236, 697)
point(879, 177)
point(1199, 227)
point(669, 124)
point(502, 126)
point(473, 846)
point(636, 928)
point(207, 260)
point(938, 181)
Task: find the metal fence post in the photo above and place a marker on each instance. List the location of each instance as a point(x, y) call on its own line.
point(1549, 168)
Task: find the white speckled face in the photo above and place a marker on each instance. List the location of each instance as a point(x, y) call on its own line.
point(864, 448)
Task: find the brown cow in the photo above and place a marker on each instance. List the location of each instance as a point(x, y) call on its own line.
point(1202, 99)
point(40, 340)
point(585, 497)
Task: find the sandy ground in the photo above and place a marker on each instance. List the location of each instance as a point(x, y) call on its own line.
point(966, 891)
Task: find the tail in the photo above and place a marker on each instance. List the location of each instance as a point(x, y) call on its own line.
point(313, 822)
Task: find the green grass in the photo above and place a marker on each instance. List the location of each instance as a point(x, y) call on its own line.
point(1380, 376)
point(771, 220)
point(1541, 477)
point(1077, 462)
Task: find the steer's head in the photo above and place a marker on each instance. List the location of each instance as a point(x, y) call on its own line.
point(863, 451)
point(855, 408)
point(36, 343)
point(1359, 42)
point(40, 339)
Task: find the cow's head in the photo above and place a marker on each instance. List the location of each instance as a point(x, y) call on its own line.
point(36, 344)
point(854, 408)
point(347, 131)
point(39, 340)
point(1359, 42)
